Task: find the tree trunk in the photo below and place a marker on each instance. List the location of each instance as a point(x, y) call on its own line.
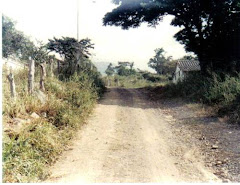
point(108, 82)
point(12, 85)
point(203, 63)
point(74, 67)
point(51, 67)
point(58, 66)
point(31, 76)
point(42, 76)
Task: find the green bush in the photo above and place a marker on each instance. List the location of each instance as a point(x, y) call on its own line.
point(223, 91)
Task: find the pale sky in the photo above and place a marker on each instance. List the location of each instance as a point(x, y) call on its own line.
point(44, 19)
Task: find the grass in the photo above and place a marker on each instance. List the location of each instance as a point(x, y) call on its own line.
point(220, 91)
point(28, 152)
point(136, 81)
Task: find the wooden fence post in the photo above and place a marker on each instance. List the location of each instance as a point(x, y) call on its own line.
point(31, 76)
point(12, 84)
point(118, 82)
point(42, 76)
point(51, 67)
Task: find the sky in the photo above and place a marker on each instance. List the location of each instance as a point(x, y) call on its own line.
point(45, 19)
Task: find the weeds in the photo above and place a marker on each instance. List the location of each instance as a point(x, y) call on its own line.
point(220, 90)
point(28, 152)
point(26, 156)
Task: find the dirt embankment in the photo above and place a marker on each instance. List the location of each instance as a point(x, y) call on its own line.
point(131, 139)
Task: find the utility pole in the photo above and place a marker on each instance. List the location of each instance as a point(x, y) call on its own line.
point(77, 20)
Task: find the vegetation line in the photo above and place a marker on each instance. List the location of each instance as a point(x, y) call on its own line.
point(38, 121)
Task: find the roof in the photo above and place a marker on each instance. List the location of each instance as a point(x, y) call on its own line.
point(123, 62)
point(189, 65)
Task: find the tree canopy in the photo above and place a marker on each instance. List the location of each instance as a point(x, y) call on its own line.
point(110, 70)
point(14, 42)
point(209, 28)
point(125, 68)
point(70, 48)
point(160, 62)
point(74, 52)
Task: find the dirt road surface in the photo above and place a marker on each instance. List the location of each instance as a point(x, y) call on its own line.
point(129, 139)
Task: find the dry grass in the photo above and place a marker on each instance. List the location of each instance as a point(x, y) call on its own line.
point(28, 152)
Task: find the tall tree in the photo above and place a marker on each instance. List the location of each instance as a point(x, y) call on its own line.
point(125, 68)
point(71, 50)
point(159, 61)
point(110, 70)
point(210, 28)
point(14, 42)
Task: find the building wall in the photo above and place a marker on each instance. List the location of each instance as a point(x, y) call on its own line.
point(178, 75)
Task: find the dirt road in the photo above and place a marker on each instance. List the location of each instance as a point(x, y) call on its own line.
point(129, 139)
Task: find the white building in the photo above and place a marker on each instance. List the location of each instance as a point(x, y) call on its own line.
point(13, 63)
point(183, 68)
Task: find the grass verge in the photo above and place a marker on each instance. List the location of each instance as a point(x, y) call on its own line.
point(31, 144)
point(218, 90)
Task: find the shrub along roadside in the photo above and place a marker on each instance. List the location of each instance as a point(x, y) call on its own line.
point(28, 151)
point(220, 90)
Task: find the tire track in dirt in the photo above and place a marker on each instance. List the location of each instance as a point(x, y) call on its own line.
point(129, 139)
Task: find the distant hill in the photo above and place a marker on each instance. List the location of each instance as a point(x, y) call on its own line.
point(101, 66)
